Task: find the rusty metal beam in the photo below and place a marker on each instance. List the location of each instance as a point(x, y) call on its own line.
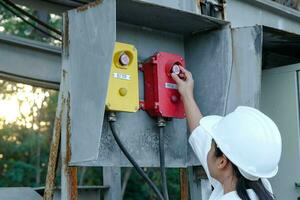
point(53, 160)
point(68, 174)
point(184, 184)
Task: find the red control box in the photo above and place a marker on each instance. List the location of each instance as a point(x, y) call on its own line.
point(162, 98)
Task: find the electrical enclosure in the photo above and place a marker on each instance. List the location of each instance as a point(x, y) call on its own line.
point(162, 98)
point(123, 92)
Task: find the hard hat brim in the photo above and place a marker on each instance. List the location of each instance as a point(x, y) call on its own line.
point(210, 122)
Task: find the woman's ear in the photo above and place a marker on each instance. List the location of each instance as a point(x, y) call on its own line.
point(222, 162)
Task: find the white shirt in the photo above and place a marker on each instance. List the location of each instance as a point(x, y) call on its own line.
point(200, 141)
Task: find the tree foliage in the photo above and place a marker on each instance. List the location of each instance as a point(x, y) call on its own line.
point(26, 119)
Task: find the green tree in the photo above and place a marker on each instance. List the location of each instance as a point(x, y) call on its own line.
point(25, 123)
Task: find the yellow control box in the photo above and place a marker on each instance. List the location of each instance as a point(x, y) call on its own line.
point(123, 91)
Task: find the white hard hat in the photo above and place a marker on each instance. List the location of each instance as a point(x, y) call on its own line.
point(249, 139)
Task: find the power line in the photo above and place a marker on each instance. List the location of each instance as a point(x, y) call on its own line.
point(32, 17)
point(64, 3)
point(59, 3)
point(28, 22)
point(79, 1)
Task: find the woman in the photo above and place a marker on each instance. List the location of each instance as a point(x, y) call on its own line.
point(238, 152)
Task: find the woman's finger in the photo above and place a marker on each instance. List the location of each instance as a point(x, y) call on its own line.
point(176, 78)
point(188, 75)
point(182, 68)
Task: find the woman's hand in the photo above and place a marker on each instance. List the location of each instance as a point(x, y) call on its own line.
point(185, 85)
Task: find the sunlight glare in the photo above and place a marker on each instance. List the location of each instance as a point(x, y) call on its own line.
point(9, 110)
point(21, 104)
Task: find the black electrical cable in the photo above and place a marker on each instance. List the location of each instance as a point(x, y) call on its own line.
point(133, 162)
point(162, 163)
point(8, 2)
point(29, 23)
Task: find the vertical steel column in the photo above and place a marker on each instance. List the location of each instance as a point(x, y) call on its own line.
point(54, 152)
point(112, 177)
point(199, 184)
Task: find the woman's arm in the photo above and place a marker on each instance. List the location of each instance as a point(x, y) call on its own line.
point(185, 88)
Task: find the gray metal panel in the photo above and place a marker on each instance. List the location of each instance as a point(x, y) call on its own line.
point(59, 6)
point(158, 17)
point(84, 192)
point(262, 12)
point(208, 57)
point(245, 78)
point(138, 131)
point(32, 61)
point(17, 193)
point(149, 41)
point(188, 5)
point(280, 101)
point(90, 54)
